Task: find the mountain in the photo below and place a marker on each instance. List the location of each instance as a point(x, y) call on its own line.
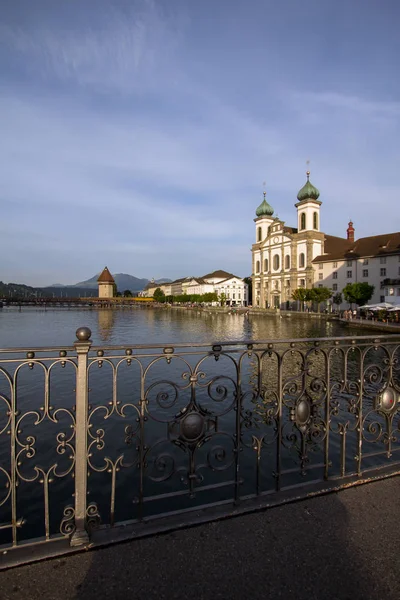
point(123, 281)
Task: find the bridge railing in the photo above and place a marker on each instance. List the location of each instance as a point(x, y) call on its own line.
point(101, 443)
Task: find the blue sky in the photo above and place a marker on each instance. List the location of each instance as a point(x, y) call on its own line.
point(138, 133)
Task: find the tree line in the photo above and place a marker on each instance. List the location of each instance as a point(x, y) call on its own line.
point(353, 293)
point(159, 296)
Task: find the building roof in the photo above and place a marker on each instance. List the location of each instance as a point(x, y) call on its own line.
point(289, 229)
point(218, 273)
point(376, 245)
point(230, 277)
point(200, 280)
point(105, 276)
point(265, 209)
point(308, 190)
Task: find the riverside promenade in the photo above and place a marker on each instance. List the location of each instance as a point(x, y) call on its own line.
point(338, 546)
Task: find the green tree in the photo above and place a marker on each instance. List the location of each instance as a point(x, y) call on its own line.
point(159, 295)
point(249, 282)
point(209, 297)
point(337, 299)
point(127, 294)
point(358, 293)
point(300, 295)
point(319, 295)
point(222, 299)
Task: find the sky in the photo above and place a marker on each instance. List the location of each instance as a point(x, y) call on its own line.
point(138, 134)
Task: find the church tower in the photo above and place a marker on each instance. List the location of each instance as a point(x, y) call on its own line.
point(308, 207)
point(106, 284)
point(263, 219)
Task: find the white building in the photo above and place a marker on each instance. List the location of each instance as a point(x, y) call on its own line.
point(374, 260)
point(391, 289)
point(234, 288)
point(285, 258)
point(282, 256)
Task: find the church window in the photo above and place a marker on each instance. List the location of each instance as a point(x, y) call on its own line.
point(302, 260)
point(265, 264)
point(315, 220)
point(276, 262)
point(287, 261)
point(259, 234)
point(303, 221)
point(258, 266)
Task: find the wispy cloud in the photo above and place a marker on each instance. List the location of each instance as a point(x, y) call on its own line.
point(122, 47)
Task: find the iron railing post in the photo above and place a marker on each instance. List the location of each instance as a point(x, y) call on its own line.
point(82, 347)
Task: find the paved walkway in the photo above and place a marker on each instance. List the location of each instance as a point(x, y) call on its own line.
point(340, 546)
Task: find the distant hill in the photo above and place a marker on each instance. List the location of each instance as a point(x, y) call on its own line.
point(84, 289)
point(123, 281)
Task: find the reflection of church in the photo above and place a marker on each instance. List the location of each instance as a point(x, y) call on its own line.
point(282, 256)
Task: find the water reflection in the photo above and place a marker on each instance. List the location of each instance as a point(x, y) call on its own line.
point(106, 318)
point(33, 327)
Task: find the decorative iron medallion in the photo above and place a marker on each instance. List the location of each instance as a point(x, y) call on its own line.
point(192, 427)
point(301, 413)
point(387, 401)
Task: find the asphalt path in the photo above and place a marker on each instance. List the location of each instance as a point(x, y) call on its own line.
point(343, 545)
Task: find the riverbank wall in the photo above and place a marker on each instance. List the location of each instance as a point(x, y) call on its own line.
point(368, 324)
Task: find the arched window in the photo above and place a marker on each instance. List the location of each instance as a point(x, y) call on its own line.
point(258, 266)
point(302, 260)
point(303, 221)
point(287, 261)
point(276, 262)
point(315, 220)
point(266, 265)
point(259, 234)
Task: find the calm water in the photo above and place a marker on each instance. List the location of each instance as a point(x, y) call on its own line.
point(56, 327)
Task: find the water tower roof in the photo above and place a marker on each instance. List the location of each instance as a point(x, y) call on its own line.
point(105, 276)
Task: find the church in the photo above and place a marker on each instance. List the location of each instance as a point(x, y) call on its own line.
point(286, 258)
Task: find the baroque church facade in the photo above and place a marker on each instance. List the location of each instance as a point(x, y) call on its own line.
point(286, 258)
point(282, 256)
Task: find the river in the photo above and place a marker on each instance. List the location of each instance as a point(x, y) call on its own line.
point(56, 327)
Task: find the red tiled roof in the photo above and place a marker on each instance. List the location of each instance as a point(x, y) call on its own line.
point(105, 276)
point(218, 273)
point(376, 245)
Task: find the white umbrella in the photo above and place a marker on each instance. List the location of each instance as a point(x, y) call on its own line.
point(394, 308)
point(380, 306)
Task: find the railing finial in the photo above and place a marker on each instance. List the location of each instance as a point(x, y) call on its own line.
point(83, 334)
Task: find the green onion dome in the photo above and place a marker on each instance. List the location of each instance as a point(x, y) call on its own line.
point(265, 209)
point(308, 190)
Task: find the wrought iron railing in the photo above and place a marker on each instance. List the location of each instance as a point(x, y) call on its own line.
point(102, 443)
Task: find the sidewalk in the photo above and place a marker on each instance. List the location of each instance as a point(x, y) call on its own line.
point(339, 546)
